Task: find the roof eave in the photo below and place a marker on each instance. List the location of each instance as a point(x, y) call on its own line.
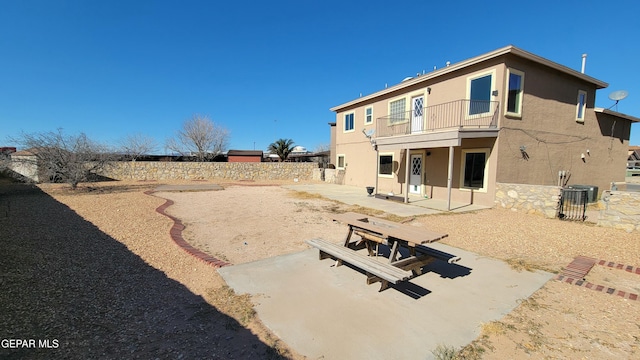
point(617, 114)
point(469, 62)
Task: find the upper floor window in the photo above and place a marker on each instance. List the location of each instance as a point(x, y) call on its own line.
point(515, 85)
point(368, 115)
point(480, 94)
point(581, 106)
point(397, 110)
point(348, 122)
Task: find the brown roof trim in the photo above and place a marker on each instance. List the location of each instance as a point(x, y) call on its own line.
point(616, 114)
point(244, 153)
point(476, 60)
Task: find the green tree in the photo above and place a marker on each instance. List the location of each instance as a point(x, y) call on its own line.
point(282, 148)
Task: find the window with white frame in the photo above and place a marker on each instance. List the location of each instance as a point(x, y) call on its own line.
point(340, 164)
point(581, 106)
point(479, 89)
point(385, 164)
point(474, 169)
point(368, 115)
point(397, 109)
point(515, 87)
point(348, 122)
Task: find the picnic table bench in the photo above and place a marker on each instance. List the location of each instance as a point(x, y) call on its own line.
point(373, 232)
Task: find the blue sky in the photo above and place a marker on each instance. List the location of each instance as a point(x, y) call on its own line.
point(269, 70)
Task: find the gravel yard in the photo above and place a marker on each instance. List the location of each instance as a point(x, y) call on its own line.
point(95, 270)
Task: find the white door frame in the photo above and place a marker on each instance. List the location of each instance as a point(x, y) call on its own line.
point(415, 174)
point(417, 115)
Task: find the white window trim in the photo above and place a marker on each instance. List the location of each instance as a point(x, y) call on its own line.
point(365, 115)
point(493, 88)
point(393, 157)
point(463, 160)
point(584, 106)
point(518, 113)
point(344, 122)
point(344, 161)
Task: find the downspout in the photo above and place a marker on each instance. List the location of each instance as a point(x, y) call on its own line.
point(449, 178)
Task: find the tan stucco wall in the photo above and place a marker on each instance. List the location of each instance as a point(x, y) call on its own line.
point(548, 129)
point(553, 139)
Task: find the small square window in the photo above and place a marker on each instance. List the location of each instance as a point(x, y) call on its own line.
point(348, 122)
point(385, 166)
point(368, 115)
point(340, 162)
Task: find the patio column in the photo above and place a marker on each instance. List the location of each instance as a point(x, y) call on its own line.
point(376, 190)
point(449, 178)
point(406, 177)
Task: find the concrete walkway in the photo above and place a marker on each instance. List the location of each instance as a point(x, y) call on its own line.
point(353, 195)
point(327, 312)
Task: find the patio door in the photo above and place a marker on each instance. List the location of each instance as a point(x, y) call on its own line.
point(415, 177)
point(417, 111)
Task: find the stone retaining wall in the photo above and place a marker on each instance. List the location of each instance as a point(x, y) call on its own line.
point(330, 176)
point(620, 210)
point(532, 199)
point(160, 170)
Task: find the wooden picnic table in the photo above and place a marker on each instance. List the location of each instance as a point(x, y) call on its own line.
point(373, 232)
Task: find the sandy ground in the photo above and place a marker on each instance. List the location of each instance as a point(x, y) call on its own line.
point(246, 223)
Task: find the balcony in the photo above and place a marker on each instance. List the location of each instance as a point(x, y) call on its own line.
point(438, 125)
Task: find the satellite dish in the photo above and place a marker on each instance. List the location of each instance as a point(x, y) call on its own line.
point(617, 96)
point(369, 133)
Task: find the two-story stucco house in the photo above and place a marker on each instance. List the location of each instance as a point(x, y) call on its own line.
point(457, 133)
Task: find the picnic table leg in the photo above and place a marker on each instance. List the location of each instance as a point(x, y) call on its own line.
point(348, 238)
point(346, 244)
point(394, 252)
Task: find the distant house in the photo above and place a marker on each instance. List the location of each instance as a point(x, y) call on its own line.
point(244, 156)
point(459, 133)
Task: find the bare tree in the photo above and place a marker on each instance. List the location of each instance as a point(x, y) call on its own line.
point(322, 147)
point(200, 137)
point(134, 146)
point(71, 159)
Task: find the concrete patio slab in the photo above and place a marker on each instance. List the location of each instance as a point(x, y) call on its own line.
point(354, 195)
point(330, 312)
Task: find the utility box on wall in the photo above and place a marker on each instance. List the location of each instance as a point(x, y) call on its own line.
point(592, 191)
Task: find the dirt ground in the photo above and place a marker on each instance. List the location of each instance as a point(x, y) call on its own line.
point(247, 223)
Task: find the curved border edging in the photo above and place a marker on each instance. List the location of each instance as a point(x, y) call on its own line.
point(176, 235)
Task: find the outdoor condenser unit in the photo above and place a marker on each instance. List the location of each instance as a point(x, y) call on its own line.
point(592, 191)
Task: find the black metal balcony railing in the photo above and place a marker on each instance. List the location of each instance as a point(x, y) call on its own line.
point(459, 114)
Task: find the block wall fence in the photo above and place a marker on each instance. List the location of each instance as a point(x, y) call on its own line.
point(160, 170)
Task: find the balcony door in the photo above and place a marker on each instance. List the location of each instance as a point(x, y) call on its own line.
point(415, 177)
point(417, 111)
